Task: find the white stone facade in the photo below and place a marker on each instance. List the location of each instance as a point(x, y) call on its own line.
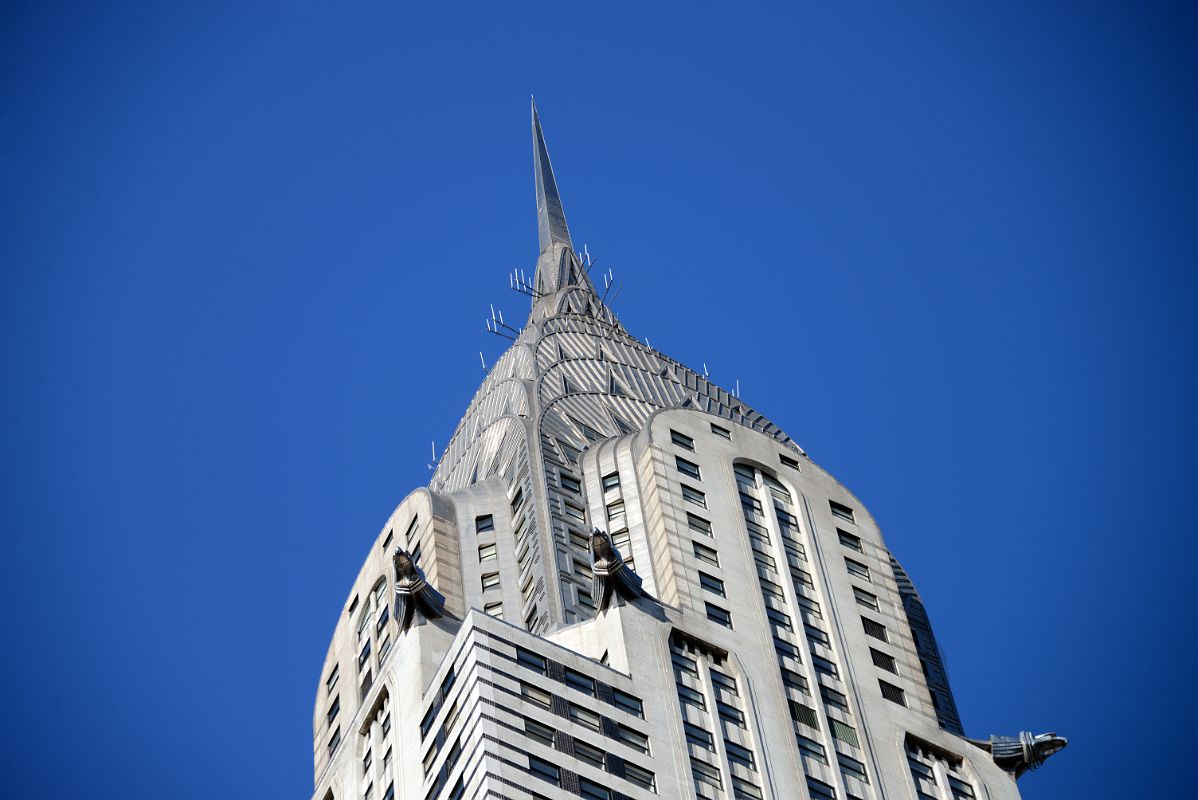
point(779, 652)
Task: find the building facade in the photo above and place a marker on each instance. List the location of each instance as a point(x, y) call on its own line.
point(624, 582)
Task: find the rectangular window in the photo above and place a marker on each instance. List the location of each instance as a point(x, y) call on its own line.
point(802, 577)
point(628, 703)
point(544, 770)
point(852, 767)
point(633, 738)
point(538, 731)
point(611, 481)
point(490, 580)
point(731, 714)
point(486, 552)
point(589, 753)
point(585, 717)
point(778, 618)
point(615, 513)
point(787, 461)
point(834, 699)
point(883, 660)
point(857, 568)
point(705, 773)
point(864, 598)
point(686, 664)
point(699, 737)
point(688, 468)
point(333, 709)
point(593, 791)
point(574, 512)
point(536, 695)
point(367, 761)
point(569, 483)
point(697, 523)
point(331, 681)
point(364, 655)
point(810, 606)
point(745, 790)
point(874, 629)
point(820, 790)
point(582, 683)
point(484, 523)
point(639, 775)
point(718, 431)
point(845, 733)
point(711, 583)
point(517, 500)
point(532, 661)
point(704, 553)
point(785, 648)
point(817, 635)
point(811, 748)
point(390, 793)
point(718, 615)
point(849, 540)
point(825, 666)
point(893, 693)
point(842, 511)
point(682, 440)
point(693, 495)
point(494, 609)
point(764, 560)
point(691, 697)
point(740, 755)
point(334, 740)
point(793, 680)
point(724, 682)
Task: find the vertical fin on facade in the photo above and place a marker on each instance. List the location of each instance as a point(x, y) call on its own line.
point(551, 217)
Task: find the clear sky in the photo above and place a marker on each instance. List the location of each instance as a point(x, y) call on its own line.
point(247, 253)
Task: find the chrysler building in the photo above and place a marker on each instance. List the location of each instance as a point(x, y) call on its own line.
point(623, 582)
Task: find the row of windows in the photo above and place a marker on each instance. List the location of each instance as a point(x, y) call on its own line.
point(580, 682)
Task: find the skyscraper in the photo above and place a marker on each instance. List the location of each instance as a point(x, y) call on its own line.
point(624, 582)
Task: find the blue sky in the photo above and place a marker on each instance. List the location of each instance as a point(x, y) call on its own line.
point(948, 248)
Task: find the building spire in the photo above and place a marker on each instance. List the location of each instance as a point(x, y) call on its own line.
point(551, 217)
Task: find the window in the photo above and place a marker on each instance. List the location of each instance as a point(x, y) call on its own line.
point(834, 699)
point(846, 734)
point(787, 461)
point(842, 511)
point(367, 760)
point(817, 635)
point(585, 717)
point(697, 523)
point(544, 770)
point(532, 661)
point(777, 617)
point(639, 775)
point(574, 512)
point(719, 615)
point(611, 481)
point(785, 648)
point(718, 431)
point(852, 767)
point(331, 681)
point(739, 755)
point(364, 655)
point(865, 598)
point(487, 552)
point(684, 663)
point(691, 697)
point(892, 693)
point(390, 793)
point(580, 682)
point(615, 512)
point(699, 737)
point(633, 738)
point(820, 790)
point(382, 623)
point(857, 568)
point(538, 731)
point(825, 666)
point(683, 441)
point(688, 468)
point(883, 660)
point(731, 714)
point(536, 695)
point(494, 609)
point(593, 791)
point(705, 773)
point(628, 703)
point(874, 628)
point(704, 553)
point(693, 495)
point(484, 523)
point(334, 740)
point(802, 576)
point(517, 500)
point(569, 483)
point(849, 540)
point(804, 714)
point(711, 583)
point(490, 580)
point(333, 709)
point(810, 606)
point(583, 569)
point(793, 680)
point(811, 748)
point(745, 790)
point(724, 682)
point(589, 753)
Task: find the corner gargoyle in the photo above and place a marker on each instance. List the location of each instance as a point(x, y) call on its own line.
point(1018, 754)
point(412, 592)
point(610, 575)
